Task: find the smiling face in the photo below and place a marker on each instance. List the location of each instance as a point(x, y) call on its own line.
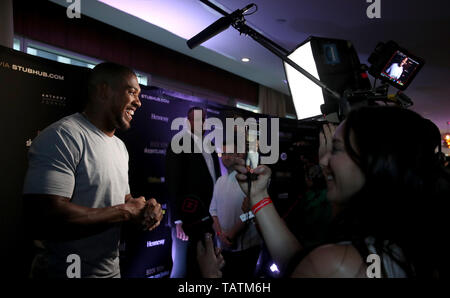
point(124, 102)
point(344, 177)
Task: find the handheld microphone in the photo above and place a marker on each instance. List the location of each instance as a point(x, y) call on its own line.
point(217, 27)
point(251, 162)
point(252, 159)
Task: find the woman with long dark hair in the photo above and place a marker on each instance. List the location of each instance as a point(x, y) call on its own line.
point(383, 173)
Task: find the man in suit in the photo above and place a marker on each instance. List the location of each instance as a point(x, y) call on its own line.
point(189, 174)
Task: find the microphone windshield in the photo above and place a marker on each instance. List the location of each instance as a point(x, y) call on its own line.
point(209, 32)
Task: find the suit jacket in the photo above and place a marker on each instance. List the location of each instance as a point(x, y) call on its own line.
point(187, 174)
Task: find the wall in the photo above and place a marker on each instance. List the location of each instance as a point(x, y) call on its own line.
point(47, 22)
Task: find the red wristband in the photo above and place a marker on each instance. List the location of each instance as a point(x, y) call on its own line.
point(261, 204)
point(218, 233)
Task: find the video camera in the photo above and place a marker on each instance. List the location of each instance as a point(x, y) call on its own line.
point(392, 65)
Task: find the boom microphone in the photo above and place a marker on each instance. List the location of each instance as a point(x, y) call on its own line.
point(217, 27)
point(212, 30)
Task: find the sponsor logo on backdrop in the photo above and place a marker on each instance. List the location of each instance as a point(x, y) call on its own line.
point(160, 275)
point(56, 100)
point(154, 98)
point(156, 243)
point(5, 64)
point(159, 270)
point(156, 148)
point(159, 118)
point(154, 151)
point(31, 71)
point(158, 145)
point(156, 180)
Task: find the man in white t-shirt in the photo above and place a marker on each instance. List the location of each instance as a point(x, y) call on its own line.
point(395, 70)
point(76, 191)
point(240, 242)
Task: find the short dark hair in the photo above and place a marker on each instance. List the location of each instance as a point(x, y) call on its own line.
point(196, 108)
point(109, 73)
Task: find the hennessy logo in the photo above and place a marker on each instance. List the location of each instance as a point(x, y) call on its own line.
point(159, 118)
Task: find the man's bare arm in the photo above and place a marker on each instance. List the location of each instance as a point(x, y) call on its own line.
point(53, 217)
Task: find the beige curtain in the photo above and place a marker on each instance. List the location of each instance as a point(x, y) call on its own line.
point(272, 102)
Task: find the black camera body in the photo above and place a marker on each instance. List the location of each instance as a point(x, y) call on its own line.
point(394, 65)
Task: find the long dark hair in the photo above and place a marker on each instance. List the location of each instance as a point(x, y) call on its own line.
point(402, 201)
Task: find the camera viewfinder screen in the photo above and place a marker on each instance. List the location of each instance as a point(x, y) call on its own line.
point(400, 69)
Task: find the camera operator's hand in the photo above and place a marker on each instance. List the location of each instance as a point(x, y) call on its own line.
point(259, 186)
point(210, 260)
point(153, 215)
point(326, 140)
point(135, 208)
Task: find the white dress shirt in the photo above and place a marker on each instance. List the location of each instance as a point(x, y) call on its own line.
point(207, 156)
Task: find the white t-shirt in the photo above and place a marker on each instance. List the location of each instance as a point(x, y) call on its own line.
point(395, 71)
point(73, 158)
point(226, 205)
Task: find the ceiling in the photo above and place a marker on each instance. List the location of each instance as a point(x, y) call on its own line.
point(422, 27)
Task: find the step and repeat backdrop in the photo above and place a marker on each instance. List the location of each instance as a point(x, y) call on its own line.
point(34, 93)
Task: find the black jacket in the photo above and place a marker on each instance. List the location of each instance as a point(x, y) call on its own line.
point(187, 174)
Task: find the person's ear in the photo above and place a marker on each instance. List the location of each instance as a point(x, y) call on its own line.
point(103, 91)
